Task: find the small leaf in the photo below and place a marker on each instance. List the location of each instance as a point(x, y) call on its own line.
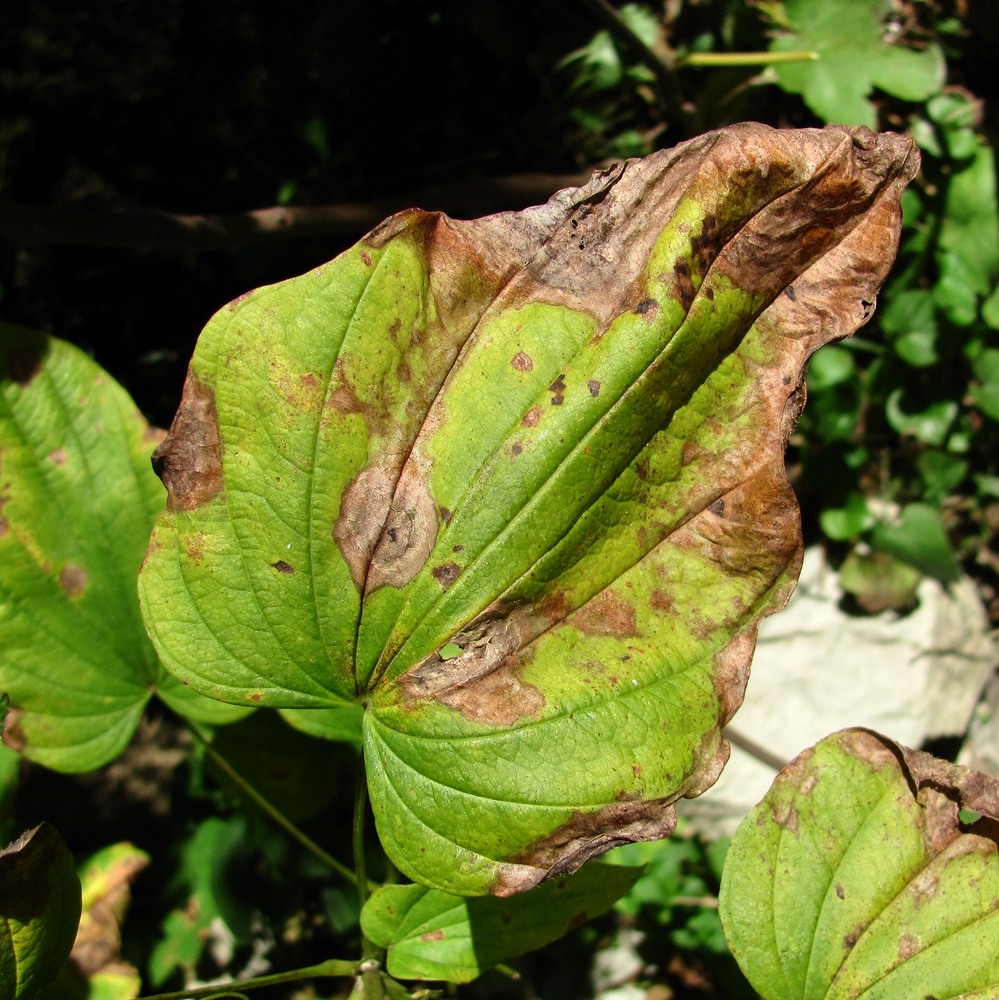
point(855, 878)
point(77, 503)
point(931, 424)
point(842, 524)
point(918, 539)
point(39, 911)
point(552, 439)
point(431, 934)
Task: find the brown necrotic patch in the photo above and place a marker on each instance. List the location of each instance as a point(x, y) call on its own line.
point(282, 567)
point(606, 614)
point(522, 362)
point(446, 574)
point(531, 418)
point(189, 461)
point(594, 386)
point(557, 389)
point(73, 579)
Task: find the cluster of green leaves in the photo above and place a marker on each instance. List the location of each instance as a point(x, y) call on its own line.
point(898, 441)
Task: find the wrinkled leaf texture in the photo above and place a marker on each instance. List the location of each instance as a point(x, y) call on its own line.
point(516, 485)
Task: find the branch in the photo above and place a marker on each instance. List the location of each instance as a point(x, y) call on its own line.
point(151, 229)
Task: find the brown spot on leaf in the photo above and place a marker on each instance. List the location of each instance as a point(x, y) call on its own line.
point(853, 937)
point(717, 507)
point(516, 448)
point(407, 535)
point(445, 514)
point(13, 733)
point(606, 614)
point(841, 892)
point(366, 257)
point(73, 579)
point(586, 835)
point(647, 306)
point(531, 418)
point(558, 391)
point(437, 935)
point(908, 946)
point(790, 293)
point(522, 362)
point(446, 575)
point(58, 457)
point(659, 600)
point(594, 386)
point(189, 461)
point(282, 567)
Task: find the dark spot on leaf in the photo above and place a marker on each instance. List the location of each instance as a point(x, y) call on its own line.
point(645, 306)
point(13, 735)
point(717, 507)
point(23, 364)
point(582, 245)
point(189, 461)
point(841, 892)
point(58, 457)
point(255, 696)
point(558, 388)
point(790, 293)
point(73, 579)
point(522, 362)
point(661, 601)
point(516, 448)
point(445, 514)
point(458, 548)
point(853, 937)
point(366, 258)
point(393, 534)
point(594, 386)
point(282, 567)
point(574, 223)
point(446, 575)
point(437, 935)
point(709, 293)
point(531, 418)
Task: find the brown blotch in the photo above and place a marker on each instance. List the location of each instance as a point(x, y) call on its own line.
point(432, 936)
point(407, 536)
point(606, 614)
point(659, 600)
point(73, 579)
point(189, 461)
point(366, 257)
point(557, 389)
point(446, 575)
point(717, 507)
point(362, 516)
point(522, 362)
point(516, 448)
point(853, 937)
point(531, 418)
point(282, 567)
point(841, 892)
point(586, 835)
point(13, 733)
point(790, 293)
point(497, 698)
point(647, 306)
point(445, 514)
point(594, 386)
point(59, 456)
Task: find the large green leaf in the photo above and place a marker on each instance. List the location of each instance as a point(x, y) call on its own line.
point(431, 934)
point(77, 503)
point(854, 877)
point(39, 911)
point(516, 486)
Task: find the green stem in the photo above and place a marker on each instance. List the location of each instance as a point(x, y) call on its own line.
point(744, 58)
point(293, 831)
point(330, 968)
point(360, 807)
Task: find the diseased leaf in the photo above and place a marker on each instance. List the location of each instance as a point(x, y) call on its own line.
point(854, 877)
point(39, 911)
point(77, 503)
point(431, 934)
point(516, 486)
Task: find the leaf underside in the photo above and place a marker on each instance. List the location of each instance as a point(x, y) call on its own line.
point(854, 877)
point(516, 486)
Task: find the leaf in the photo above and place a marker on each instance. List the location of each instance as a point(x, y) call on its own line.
point(854, 877)
point(919, 539)
point(552, 439)
point(95, 969)
point(39, 911)
point(77, 503)
point(854, 58)
point(431, 934)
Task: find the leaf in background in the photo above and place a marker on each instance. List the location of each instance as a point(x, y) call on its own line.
point(431, 934)
point(77, 502)
point(39, 911)
point(855, 878)
point(930, 425)
point(516, 485)
point(854, 58)
point(96, 970)
point(918, 539)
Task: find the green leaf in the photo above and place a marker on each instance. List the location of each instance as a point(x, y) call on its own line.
point(918, 539)
point(854, 878)
point(431, 934)
point(984, 392)
point(931, 424)
point(553, 439)
point(842, 524)
point(39, 911)
point(77, 503)
point(909, 318)
point(854, 58)
point(342, 725)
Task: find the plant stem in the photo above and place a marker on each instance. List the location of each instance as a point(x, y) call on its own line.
point(328, 969)
point(360, 806)
point(275, 814)
point(745, 58)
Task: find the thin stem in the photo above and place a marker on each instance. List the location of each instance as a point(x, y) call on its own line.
point(275, 814)
point(745, 58)
point(754, 749)
point(328, 969)
point(360, 807)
